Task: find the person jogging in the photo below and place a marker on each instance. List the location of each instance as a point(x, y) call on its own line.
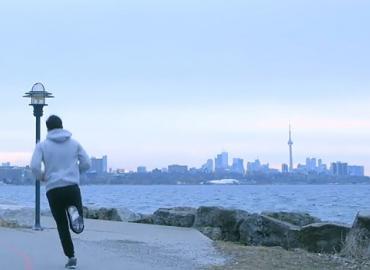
point(64, 160)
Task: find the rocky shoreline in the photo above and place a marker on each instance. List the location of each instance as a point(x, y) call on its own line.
point(289, 230)
point(276, 240)
point(238, 233)
point(270, 229)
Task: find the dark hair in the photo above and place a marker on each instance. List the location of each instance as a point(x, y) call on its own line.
point(54, 122)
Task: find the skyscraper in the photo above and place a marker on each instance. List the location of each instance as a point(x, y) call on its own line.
point(208, 167)
point(99, 165)
point(339, 168)
point(284, 168)
point(222, 162)
point(238, 166)
point(105, 163)
point(141, 169)
point(290, 143)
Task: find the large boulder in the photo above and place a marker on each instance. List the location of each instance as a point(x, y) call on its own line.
point(295, 218)
point(220, 223)
point(260, 230)
point(177, 216)
point(214, 233)
point(357, 243)
point(17, 217)
point(102, 213)
point(128, 215)
point(323, 237)
point(145, 219)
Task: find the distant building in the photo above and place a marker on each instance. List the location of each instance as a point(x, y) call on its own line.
point(141, 169)
point(254, 166)
point(321, 167)
point(120, 171)
point(356, 170)
point(257, 167)
point(284, 168)
point(222, 162)
point(193, 170)
point(208, 167)
point(177, 169)
point(99, 165)
point(339, 168)
point(15, 175)
point(218, 164)
point(311, 165)
point(238, 166)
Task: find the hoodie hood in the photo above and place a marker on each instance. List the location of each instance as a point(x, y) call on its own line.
point(59, 135)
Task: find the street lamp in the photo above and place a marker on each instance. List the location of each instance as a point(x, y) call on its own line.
point(38, 96)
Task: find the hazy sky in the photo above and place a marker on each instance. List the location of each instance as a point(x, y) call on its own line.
point(159, 82)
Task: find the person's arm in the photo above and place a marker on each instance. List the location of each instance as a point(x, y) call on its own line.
point(84, 160)
point(36, 163)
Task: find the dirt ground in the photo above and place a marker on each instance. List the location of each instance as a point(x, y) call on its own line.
point(275, 258)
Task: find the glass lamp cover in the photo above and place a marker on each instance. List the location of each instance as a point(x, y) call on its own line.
point(38, 100)
point(38, 87)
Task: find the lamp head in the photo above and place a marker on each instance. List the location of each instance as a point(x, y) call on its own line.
point(38, 95)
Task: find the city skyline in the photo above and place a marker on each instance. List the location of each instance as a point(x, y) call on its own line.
point(165, 82)
point(221, 164)
point(224, 155)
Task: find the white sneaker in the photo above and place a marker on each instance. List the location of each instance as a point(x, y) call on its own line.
point(76, 222)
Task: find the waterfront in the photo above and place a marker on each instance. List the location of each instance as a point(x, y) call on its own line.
point(329, 202)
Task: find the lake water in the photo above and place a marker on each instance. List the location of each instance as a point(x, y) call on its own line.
point(328, 202)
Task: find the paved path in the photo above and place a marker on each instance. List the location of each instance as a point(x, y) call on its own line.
point(108, 245)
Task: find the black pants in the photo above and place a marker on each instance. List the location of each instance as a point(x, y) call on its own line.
point(59, 200)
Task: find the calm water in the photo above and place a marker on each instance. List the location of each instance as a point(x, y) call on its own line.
point(329, 202)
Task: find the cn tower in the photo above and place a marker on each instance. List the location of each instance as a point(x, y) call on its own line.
point(290, 143)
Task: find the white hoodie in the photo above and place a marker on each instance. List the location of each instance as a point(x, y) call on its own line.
point(64, 160)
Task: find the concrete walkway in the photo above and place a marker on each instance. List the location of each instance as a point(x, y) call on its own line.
point(108, 245)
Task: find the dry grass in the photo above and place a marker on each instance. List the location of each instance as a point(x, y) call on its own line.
point(357, 244)
point(11, 224)
point(276, 258)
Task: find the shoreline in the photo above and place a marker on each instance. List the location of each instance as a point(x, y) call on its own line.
point(192, 184)
point(338, 203)
point(125, 240)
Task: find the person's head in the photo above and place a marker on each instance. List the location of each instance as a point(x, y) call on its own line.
point(54, 122)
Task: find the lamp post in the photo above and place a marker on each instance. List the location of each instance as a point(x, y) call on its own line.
point(38, 95)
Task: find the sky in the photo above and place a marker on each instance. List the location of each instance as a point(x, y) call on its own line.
point(161, 82)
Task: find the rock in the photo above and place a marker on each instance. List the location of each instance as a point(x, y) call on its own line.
point(357, 244)
point(295, 218)
point(260, 230)
point(178, 216)
point(102, 213)
point(213, 233)
point(17, 217)
point(323, 237)
point(145, 219)
point(128, 215)
point(11, 224)
point(46, 213)
point(225, 220)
